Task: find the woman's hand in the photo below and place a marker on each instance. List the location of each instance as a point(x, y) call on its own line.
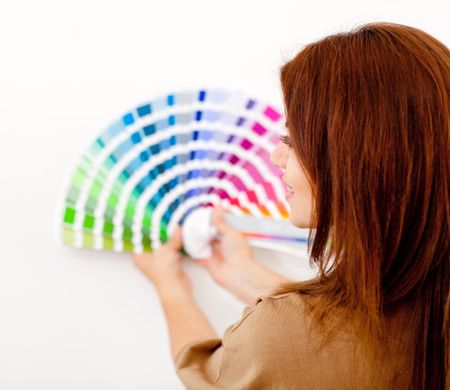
point(163, 266)
point(185, 320)
point(232, 265)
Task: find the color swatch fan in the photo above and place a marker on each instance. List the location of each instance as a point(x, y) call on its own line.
point(163, 160)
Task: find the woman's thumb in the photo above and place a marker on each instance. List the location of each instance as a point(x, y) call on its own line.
point(218, 220)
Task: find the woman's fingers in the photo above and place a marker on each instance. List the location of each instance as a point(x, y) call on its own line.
point(136, 259)
point(218, 220)
point(216, 251)
point(139, 259)
point(176, 240)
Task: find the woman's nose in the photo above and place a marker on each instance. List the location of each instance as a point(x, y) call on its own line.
point(279, 155)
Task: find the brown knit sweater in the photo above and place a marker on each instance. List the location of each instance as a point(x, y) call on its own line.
point(275, 346)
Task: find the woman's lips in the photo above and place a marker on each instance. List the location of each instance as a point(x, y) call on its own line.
point(289, 190)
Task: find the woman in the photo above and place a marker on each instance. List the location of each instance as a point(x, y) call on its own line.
point(367, 158)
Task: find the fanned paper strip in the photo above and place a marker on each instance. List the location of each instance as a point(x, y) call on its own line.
point(164, 159)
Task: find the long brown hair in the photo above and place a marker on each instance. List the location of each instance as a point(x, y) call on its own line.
point(368, 117)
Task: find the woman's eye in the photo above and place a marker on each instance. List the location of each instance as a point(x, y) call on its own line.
point(285, 139)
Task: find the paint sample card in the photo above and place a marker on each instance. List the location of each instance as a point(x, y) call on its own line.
point(164, 159)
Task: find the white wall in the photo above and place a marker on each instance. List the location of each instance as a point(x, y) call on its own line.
point(74, 319)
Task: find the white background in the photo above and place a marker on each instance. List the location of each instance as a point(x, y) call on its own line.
point(75, 319)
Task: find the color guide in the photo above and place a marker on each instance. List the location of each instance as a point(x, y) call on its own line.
point(164, 159)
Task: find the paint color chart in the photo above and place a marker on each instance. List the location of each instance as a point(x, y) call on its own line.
point(164, 159)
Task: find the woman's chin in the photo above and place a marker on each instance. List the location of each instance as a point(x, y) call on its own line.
point(299, 212)
point(299, 221)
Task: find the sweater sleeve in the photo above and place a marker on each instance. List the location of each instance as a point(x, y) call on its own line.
point(245, 358)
